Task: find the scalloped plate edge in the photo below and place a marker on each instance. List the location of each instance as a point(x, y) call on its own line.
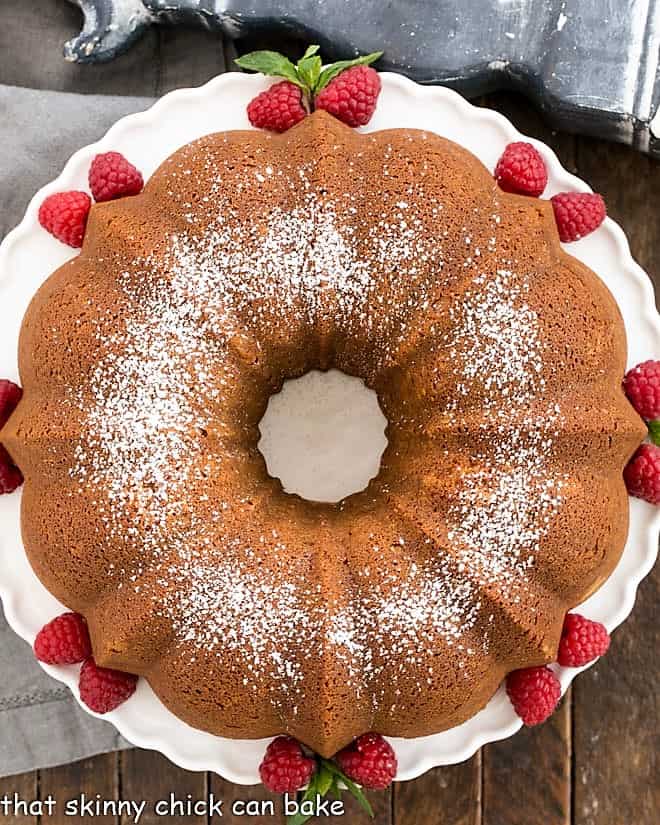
point(237, 760)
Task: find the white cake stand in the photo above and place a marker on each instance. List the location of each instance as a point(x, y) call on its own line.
point(28, 255)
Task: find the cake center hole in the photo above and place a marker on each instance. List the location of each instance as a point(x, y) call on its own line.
point(323, 435)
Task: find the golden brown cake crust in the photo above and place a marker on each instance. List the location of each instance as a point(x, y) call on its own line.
point(147, 363)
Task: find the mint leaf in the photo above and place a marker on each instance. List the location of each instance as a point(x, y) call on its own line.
point(331, 71)
point(324, 780)
point(356, 792)
point(351, 787)
point(654, 431)
point(310, 51)
point(310, 793)
point(273, 64)
point(308, 74)
point(309, 70)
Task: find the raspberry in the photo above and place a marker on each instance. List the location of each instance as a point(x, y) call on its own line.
point(370, 761)
point(285, 768)
point(10, 395)
point(64, 215)
point(534, 693)
point(103, 689)
point(581, 641)
point(642, 474)
point(642, 386)
point(112, 176)
point(351, 96)
point(278, 108)
point(521, 169)
point(10, 476)
point(577, 214)
point(63, 641)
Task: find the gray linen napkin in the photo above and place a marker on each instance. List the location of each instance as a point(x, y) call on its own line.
point(40, 723)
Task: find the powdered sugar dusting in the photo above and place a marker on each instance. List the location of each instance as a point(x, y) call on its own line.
point(506, 505)
point(162, 413)
point(277, 625)
point(495, 338)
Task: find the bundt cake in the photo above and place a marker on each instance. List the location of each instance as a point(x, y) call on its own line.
point(251, 258)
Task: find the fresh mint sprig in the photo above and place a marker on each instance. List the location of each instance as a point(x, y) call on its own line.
point(329, 779)
point(308, 73)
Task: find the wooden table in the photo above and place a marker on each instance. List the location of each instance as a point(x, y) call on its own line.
point(596, 761)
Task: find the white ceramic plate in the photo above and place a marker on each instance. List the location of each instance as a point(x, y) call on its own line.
point(28, 256)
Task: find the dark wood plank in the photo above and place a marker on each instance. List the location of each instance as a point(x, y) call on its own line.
point(530, 774)
point(451, 796)
point(89, 777)
point(23, 787)
point(244, 793)
point(150, 777)
point(616, 735)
